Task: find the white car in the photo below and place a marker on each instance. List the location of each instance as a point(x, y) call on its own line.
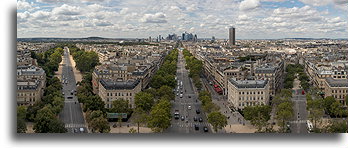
point(180, 95)
point(189, 107)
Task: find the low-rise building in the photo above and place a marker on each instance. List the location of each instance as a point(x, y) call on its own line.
point(110, 90)
point(243, 93)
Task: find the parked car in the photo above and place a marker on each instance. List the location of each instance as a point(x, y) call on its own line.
point(195, 119)
point(198, 111)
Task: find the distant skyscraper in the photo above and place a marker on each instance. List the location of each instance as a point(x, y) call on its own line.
point(232, 36)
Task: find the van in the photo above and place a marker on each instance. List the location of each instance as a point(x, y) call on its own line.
point(309, 126)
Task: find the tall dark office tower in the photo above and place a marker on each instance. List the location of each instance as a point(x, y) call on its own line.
point(232, 36)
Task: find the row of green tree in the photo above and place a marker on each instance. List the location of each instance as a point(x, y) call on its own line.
point(195, 67)
point(284, 109)
point(318, 107)
point(165, 75)
point(49, 60)
point(259, 116)
point(291, 71)
point(153, 104)
point(85, 60)
point(92, 104)
point(44, 113)
point(215, 118)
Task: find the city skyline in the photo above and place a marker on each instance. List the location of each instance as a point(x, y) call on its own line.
point(253, 19)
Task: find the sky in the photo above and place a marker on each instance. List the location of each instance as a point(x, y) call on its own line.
point(253, 19)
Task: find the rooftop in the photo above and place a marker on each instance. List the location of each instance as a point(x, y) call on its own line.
point(337, 82)
point(248, 83)
point(112, 84)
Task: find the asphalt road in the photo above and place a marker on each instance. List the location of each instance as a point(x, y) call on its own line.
point(298, 125)
point(71, 114)
point(189, 98)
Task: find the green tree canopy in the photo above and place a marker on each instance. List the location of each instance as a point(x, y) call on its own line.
point(120, 106)
point(97, 121)
point(217, 120)
point(47, 122)
point(258, 115)
point(144, 101)
point(160, 116)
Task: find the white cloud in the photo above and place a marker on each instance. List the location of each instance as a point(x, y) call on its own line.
point(124, 10)
point(22, 17)
point(316, 2)
point(39, 15)
point(23, 5)
point(248, 5)
point(67, 10)
point(158, 17)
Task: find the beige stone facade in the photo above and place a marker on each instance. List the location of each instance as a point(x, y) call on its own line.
point(111, 90)
point(337, 88)
point(242, 93)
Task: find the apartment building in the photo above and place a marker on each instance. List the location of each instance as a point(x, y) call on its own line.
point(111, 90)
point(272, 72)
point(242, 93)
point(338, 88)
point(29, 91)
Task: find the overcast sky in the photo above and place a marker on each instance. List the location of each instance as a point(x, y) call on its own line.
point(253, 19)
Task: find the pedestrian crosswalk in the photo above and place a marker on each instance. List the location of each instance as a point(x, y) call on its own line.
point(190, 124)
point(74, 125)
point(299, 121)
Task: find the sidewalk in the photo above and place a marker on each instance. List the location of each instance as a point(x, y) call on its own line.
point(77, 74)
point(235, 121)
point(125, 129)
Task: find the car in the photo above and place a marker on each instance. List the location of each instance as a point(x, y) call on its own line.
point(75, 130)
point(189, 107)
point(189, 96)
point(180, 95)
point(196, 127)
point(205, 129)
point(200, 119)
point(177, 94)
point(195, 119)
point(82, 130)
point(182, 118)
point(198, 111)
